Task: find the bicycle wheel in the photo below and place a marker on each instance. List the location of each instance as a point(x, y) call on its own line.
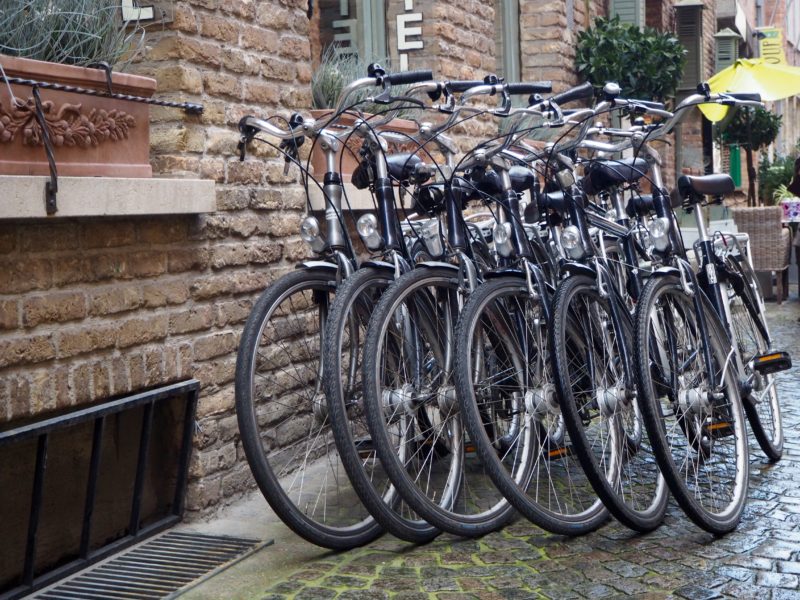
point(749, 328)
point(342, 354)
point(504, 381)
point(594, 372)
point(283, 418)
point(412, 408)
point(692, 409)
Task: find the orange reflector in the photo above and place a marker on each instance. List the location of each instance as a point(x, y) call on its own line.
point(469, 448)
point(558, 452)
point(768, 357)
point(718, 425)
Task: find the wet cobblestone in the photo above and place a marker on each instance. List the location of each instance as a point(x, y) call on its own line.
point(761, 559)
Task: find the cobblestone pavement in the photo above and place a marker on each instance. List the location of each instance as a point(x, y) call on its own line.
point(761, 559)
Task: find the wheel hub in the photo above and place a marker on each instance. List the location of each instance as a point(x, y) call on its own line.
point(398, 402)
point(694, 400)
point(319, 407)
point(542, 401)
point(446, 399)
point(610, 399)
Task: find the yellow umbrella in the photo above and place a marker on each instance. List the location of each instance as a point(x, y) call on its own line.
point(772, 81)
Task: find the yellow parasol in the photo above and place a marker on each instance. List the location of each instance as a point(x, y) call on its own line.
point(772, 81)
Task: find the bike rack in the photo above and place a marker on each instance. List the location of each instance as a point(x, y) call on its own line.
point(136, 532)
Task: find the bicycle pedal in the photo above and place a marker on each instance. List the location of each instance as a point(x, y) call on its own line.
point(719, 429)
point(365, 448)
point(557, 453)
point(772, 362)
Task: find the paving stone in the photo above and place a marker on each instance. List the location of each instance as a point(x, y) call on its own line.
point(760, 560)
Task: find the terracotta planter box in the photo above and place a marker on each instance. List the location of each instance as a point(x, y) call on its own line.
point(349, 157)
point(92, 136)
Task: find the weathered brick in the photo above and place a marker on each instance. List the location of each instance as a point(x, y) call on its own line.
point(169, 137)
point(187, 259)
point(219, 28)
point(203, 493)
point(136, 372)
point(233, 312)
point(154, 366)
point(261, 92)
point(183, 19)
point(194, 319)
point(8, 239)
point(215, 372)
point(142, 330)
point(50, 238)
point(147, 263)
point(9, 314)
point(164, 293)
point(71, 342)
point(260, 39)
point(222, 84)
point(296, 48)
point(241, 8)
point(215, 404)
point(101, 380)
point(179, 78)
point(107, 234)
point(26, 349)
point(229, 283)
point(23, 275)
point(115, 299)
point(19, 397)
point(120, 379)
point(213, 345)
point(80, 378)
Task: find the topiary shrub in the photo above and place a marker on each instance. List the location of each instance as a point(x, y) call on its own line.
point(646, 64)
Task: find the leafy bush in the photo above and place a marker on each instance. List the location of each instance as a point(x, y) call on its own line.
point(74, 32)
point(646, 64)
point(772, 176)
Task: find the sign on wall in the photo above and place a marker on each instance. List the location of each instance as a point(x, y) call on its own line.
point(770, 45)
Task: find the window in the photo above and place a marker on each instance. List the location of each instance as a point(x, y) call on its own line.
point(629, 11)
point(726, 49)
point(357, 26)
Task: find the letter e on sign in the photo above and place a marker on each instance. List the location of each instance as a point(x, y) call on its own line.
point(404, 31)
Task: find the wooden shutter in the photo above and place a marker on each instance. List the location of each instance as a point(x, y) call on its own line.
point(629, 11)
point(689, 25)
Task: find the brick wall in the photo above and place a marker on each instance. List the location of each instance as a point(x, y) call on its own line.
point(91, 308)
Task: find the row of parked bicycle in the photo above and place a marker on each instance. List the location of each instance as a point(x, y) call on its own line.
point(514, 329)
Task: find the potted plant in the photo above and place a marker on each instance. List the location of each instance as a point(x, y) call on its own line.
point(338, 67)
point(55, 41)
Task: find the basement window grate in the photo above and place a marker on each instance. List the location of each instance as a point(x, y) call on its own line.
point(158, 568)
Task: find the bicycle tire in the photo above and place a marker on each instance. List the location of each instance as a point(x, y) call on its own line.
point(406, 376)
point(511, 409)
point(285, 435)
point(588, 346)
point(698, 437)
point(348, 320)
point(750, 332)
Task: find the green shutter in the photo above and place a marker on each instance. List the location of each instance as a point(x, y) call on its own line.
point(629, 11)
point(689, 26)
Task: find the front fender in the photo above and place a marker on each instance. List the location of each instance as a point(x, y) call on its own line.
point(321, 265)
point(576, 268)
point(664, 271)
point(506, 272)
point(435, 264)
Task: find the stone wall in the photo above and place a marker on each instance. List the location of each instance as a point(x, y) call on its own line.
point(93, 308)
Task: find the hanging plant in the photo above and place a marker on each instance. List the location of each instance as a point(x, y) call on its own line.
point(647, 64)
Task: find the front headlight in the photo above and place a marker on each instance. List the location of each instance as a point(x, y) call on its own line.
point(367, 227)
point(310, 234)
point(659, 233)
point(501, 235)
point(572, 243)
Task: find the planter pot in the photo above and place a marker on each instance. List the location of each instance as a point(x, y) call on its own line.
point(348, 157)
point(91, 136)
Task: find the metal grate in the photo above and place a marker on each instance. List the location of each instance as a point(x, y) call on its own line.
point(156, 568)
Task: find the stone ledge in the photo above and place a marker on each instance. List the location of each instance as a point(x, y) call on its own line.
point(23, 196)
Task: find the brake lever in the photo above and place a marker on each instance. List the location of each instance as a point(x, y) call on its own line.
point(385, 97)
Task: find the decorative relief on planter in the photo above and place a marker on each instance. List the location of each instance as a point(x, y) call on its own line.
point(67, 124)
point(92, 135)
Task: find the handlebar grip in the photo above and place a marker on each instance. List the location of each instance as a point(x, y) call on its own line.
point(410, 77)
point(650, 104)
point(462, 86)
point(537, 87)
point(745, 96)
point(585, 90)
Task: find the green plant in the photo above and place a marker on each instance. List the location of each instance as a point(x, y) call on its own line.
point(752, 129)
point(75, 32)
point(773, 177)
point(647, 64)
point(337, 69)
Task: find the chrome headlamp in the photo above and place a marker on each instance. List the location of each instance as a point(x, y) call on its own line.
point(572, 243)
point(659, 233)
point(367, 227)
point(310, 233)
point(501, 235)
